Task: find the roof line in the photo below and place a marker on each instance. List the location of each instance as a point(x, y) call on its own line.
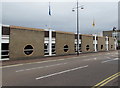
point(26, 28)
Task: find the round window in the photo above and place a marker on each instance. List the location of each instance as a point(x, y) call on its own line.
point(65, 48)
point(28, 50)
point(111, 46)
point(87, 47)
point(101, 46)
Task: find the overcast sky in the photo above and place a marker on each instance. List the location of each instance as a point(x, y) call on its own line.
point(35, 14)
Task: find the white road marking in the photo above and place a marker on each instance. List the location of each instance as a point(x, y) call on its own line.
point(73, 57)
point(90, 59)
point(37, 62)
point(95, 58)
point(100, 54)
point(84, 56)
point(43, 61)
point(109, 60)
point(108, 57)
point(108, 53)
point(40, 67)
point(86, 59)
point(113, 55)
point(11, 66)
point(30, 63)
point(61, 72)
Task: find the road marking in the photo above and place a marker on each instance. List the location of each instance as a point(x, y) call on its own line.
point(110, 60)
point(31, 63)
point(113, 55)
point(108, 57)
point(95, 58)
point(100, 54)
point(41, 62)
point(90, 59)
point(45, 61)
point(86, 59)
point(108, 53)
point(61, 72)
point(40, 67)
point(116, 53)
point(84, 56)
point(38, 62)
point(107, 80)
point(73, 57)
point(11, 66)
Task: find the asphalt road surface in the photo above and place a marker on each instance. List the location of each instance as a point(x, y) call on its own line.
point(96, 69)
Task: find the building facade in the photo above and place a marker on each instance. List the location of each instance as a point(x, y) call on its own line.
point(114, 34)
point(65, 43)
point(87, 43)
point(25, 43)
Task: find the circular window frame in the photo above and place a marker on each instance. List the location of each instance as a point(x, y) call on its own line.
point(32, 51)
point(102, 47)
point(87, 47)
point(64, 49)
point(111, 46)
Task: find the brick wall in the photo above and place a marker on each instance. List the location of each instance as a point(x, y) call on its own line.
point(63, 39)
point(87, 40)
point(101, 44)
point(111, 43)
point(20, 37)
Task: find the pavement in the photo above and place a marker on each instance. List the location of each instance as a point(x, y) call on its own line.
point(91, 69)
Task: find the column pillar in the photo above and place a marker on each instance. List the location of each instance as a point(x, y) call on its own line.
point(115, 42)
point(106, 43)
point(50, 42)
point(95, 47)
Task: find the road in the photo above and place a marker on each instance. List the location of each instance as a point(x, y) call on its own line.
point(83, 70)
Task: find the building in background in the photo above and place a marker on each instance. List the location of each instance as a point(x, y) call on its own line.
point(114, 34)
point(111, 33)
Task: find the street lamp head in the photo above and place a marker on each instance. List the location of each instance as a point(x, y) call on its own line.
point(114, 28)
point(73, 10)
point(82, 8)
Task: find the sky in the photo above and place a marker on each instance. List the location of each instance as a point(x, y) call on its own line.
point(119, 15)
point(35, 15)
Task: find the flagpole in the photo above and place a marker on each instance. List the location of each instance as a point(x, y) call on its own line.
point(49, 16)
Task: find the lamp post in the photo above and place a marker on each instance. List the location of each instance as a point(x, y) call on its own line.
point(77, 14)
point(114, 31)
point(115, 35)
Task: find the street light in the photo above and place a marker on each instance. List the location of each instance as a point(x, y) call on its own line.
point(114, 31)
point(77, 13)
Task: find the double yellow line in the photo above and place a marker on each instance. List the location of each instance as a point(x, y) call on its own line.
point(104, 82)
